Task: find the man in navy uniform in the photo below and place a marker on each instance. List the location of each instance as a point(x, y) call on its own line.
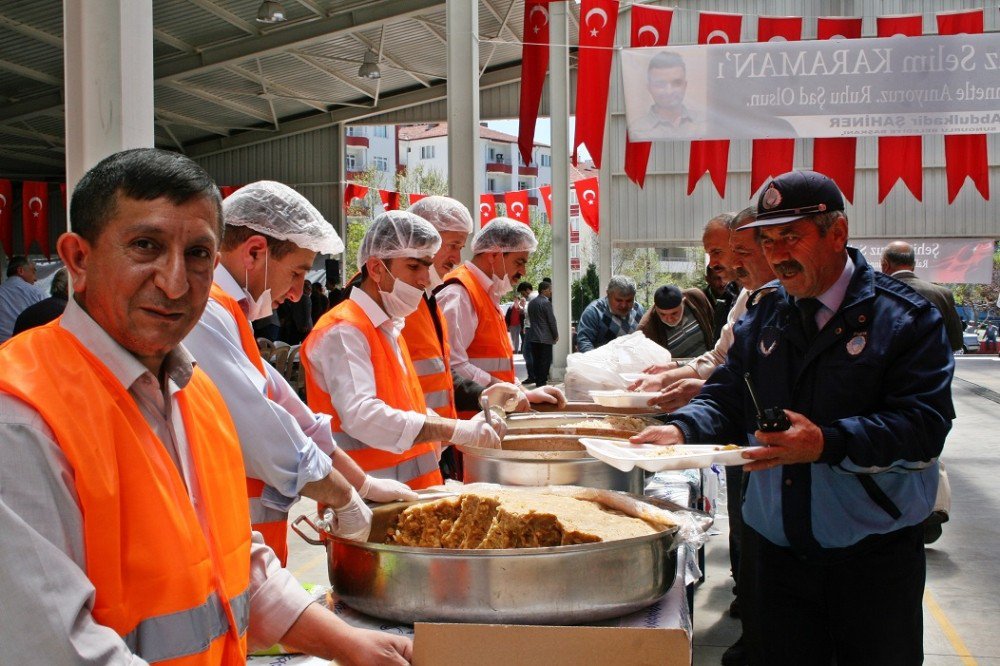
point(861, 366)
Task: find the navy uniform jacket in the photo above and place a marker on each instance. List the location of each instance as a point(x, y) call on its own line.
point(877, 380)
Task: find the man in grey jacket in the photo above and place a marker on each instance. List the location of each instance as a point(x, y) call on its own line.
point(543, 333)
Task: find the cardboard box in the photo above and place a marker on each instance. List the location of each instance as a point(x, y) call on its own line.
point(524, 645)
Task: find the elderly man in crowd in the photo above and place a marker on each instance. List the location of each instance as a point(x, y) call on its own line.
point(613, 316)
point(721, 289)
point(358, 367)
point(833, 510)
point(481, 349)
point(126, 535)
point(17, 292)
point(272, 236)
point(679, 321)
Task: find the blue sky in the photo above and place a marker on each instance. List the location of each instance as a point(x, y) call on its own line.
point(543, 131)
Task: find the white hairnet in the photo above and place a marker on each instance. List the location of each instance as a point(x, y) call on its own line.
point(445, 213)
point(502, 234)
point(278, 211)
point(398, 233)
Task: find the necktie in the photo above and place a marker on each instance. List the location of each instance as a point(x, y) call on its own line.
point(807, 308)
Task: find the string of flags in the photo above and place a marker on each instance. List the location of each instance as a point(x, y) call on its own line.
point(35, 210)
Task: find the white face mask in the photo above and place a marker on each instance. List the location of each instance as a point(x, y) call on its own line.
point(501, 286)
point(436, 280)
point(403, 300)
point(264, 305)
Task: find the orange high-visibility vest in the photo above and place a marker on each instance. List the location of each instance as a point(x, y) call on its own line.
point(174, 590)
point(271, 523)
point(396, 388)
point(426, 335)
point(491, 349)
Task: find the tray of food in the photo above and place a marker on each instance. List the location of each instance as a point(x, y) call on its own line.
point(658, 458)
point(597, 425)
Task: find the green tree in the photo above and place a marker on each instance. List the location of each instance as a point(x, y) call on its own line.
point(584, 290)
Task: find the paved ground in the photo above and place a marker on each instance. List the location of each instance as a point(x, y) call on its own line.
point(962, 603)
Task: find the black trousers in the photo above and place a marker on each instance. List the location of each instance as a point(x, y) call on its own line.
point(860, 608)
point(734, 506)
point(541, 362)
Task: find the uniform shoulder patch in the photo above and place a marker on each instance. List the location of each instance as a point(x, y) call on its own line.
point(760, 294)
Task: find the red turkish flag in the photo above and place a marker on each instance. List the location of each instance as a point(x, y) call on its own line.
point(900, 157)
point(517, 205)
point(835, 156)
point(390, 200)
point(6, 215)
point(713, 156)
point(773, 157)
point(545, 191)
point(352, 191)
point(415, 197)
point(487, 208)
point(964, 154)
point(35, 215)
point(650, 27)
point(62, 192)
point(534, 64)
point(588, 197)
point(226, 190)
point(598, 21)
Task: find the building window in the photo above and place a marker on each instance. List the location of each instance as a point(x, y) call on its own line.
point(381, 131)
point(381, 163)
point(351, 163)
point(426, 152)
point(523, 185)
point(355, 130)
point(546, 160)
point(491, 185)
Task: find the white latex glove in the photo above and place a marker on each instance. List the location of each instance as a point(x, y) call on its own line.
point(385, 490)
point(477, 432)
point(353, 520)
point(547, 394)
point(507, 397)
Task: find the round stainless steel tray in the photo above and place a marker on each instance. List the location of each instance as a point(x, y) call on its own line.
point(558, 585)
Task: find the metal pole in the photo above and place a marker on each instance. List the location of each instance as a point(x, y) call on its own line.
point(559, 114)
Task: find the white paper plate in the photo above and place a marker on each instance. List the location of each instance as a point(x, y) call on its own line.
point(686, 456)
point(620, 398)
point(631, 376)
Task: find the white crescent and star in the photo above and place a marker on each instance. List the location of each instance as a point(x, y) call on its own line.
point(3, 201)
point(31, 207)
point(717, 36)
point(517, 207)
point(545, 17)
point(484, 209)
point(651, 30)
point(593, 196)
point(604, 20)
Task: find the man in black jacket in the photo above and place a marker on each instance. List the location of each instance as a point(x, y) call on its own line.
point(898, 261)
point(543, 333)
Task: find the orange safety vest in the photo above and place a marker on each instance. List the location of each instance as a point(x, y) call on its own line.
point(491, 349)
point(426, 335)
point(395, 387)
point(271, 523)
point(174, 589)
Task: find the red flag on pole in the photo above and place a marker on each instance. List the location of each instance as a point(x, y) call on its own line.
point(517, 205)
point(414, 197)
point(226, 190)
point(352, 191)
point(598, 21)
point(773, 157)
point(534, 64)
point(964, 154)
point(713, 156)
point(6, 215)
point(650, 27)
point(35, 215)
point(62, 191)
point(545, 191)
point(390, 200)
point(900, 157)
point(588, 197)
point(487, 208)
point(835, 156)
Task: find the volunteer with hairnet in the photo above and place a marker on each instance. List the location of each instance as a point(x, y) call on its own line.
point(470, 301)
point(272, 235)
point(358, 368)
point(426, 332)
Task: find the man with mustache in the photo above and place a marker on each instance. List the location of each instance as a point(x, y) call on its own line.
point(834, 506)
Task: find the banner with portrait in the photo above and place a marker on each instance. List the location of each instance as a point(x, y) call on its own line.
point(947, 260)
point(829, 88)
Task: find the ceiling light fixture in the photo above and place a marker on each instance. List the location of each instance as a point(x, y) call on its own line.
point(270, 11)
point(369, 67)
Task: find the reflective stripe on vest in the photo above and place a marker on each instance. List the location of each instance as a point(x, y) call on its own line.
point(397, 386)
point(409, 470)
point(186, 632)
point(429, 366)
point(426, 335)
point(275, 529)
point(437, 399)
point(490, 349)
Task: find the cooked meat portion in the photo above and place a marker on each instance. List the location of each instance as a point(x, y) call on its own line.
point(511, 519)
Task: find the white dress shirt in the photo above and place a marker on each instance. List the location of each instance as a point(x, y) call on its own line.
point(457, 309)
point(706, 364)
point(284, 443)
point(15, 296)
point(342, 362)
point(47, 598)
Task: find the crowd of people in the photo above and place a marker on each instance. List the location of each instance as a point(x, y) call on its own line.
point(144, 420)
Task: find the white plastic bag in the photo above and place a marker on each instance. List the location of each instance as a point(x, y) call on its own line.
point(602, 368)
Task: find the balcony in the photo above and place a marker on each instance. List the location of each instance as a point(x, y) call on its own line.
point(353, 175)
point(358, 141)
point(499, 165)
point(574, 264)
point(532, 201)
point(528, 170)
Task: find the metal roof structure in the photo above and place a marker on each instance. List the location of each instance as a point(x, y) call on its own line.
point(223, 80)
